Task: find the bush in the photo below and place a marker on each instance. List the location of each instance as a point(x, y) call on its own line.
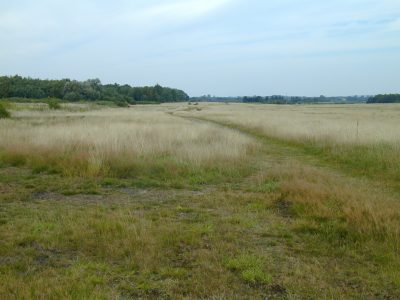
point(3, 112)
point(122, 104)
point(53, 104)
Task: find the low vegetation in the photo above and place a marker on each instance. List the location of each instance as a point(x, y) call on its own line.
point(53, 103)
point(195, 201)
point(3, 112)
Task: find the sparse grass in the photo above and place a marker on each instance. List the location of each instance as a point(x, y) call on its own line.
point(262, 223)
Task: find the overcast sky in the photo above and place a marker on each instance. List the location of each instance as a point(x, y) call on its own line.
point(218, 47)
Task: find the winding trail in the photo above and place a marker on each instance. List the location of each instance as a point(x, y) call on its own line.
point(277, 151)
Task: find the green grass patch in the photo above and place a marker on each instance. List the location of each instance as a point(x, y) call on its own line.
point(250, 269)
point(162, 171)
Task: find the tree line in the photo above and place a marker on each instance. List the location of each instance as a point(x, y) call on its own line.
point(388, 98)
point(280, 99)
point(89, 90)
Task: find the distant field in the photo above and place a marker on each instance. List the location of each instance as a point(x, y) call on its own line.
point(215, 201)
point(341, 124)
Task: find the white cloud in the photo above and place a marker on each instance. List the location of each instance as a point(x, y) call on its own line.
point(44, 15)
point(182, 9)
point(164, 15)
point(34, 28)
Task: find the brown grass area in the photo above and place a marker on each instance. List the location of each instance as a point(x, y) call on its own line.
point(118, 142)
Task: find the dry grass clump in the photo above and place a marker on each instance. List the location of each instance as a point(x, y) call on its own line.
point(348, 209)
point(118, 142)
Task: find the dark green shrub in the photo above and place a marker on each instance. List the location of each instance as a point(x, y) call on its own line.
point(53, 104)
point(122, 104)
point(3, 112)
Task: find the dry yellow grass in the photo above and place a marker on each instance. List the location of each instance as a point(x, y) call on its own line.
point(347, 124)
point(95, 142)
point(364, 139)
point(330, 132)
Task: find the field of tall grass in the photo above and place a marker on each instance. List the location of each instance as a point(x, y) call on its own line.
point(340, 124)
point(119, 143)
point(207, 201)
point(365, 139)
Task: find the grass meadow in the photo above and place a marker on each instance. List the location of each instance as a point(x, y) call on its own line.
point(208, 201)
point(121, 143)
point(364, 139)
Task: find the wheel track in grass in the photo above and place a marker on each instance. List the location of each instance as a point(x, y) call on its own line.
point(338, 188)
point(275, 150)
